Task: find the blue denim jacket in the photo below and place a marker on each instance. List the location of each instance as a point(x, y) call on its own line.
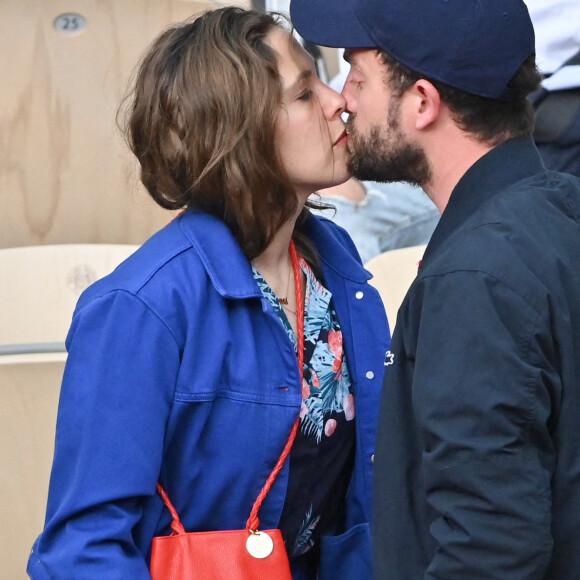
point(179, 371)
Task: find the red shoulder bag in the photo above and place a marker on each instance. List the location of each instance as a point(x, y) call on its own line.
point(249, 554)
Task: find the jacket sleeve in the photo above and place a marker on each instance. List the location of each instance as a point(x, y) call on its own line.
point(481, 397)
point(115, 400)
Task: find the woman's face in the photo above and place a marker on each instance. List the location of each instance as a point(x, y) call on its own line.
point(311, 135)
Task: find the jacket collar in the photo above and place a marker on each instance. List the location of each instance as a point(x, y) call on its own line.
point(336, 249)
point(506, 164)
point(230, 270)
point(221, 255)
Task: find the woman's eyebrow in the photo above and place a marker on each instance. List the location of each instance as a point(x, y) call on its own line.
point(305, 75)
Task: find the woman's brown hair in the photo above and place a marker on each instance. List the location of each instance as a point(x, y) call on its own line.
point(202, 123)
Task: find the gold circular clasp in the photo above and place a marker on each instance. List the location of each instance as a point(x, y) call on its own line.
point(259, 544)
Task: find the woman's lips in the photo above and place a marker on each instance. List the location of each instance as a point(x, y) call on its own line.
point(342, 139)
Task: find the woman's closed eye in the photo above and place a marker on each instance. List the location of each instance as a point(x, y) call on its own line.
point(305, 95)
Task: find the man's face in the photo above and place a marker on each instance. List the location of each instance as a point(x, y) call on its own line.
point(378, 146)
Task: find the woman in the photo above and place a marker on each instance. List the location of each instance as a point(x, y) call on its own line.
point(182, 365)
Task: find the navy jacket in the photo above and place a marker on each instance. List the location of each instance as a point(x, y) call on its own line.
point(180, 371)
point(478, 449)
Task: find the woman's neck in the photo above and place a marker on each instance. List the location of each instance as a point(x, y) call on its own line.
point(275, 266)
point(275, 259)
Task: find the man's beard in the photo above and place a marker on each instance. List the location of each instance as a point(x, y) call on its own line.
point(387, 156)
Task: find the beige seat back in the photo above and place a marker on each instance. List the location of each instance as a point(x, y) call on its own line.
point(29, 388)
point(39, 288)
point(393, 272)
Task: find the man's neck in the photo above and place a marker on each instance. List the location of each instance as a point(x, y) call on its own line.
point(451, 156)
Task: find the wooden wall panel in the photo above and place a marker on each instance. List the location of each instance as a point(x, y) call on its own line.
point(66, 175)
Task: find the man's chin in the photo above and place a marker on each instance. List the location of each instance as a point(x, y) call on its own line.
point(412, 167)
point(365, 173)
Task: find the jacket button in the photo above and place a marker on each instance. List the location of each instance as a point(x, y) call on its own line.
point(359, 295)
point(370, 375)
point(373, 458)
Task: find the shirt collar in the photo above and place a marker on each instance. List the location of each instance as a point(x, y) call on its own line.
point(498, 169)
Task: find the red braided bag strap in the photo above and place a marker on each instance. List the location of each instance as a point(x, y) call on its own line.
point(253, 521)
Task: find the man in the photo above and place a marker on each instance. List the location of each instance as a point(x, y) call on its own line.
point(477, 471)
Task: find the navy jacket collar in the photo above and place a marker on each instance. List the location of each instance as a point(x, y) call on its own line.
point(229, 269)
point(506, 164)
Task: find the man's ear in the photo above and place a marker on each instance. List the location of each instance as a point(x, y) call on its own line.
point(428, 104)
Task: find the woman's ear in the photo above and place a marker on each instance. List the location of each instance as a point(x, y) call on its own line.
point(428, 104)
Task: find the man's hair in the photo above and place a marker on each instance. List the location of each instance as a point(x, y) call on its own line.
point(490, 121)
point(202, 123)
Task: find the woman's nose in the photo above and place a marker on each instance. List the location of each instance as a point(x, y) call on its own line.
point(348, 96)
point(335, 103)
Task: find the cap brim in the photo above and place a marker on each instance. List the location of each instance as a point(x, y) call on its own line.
point(331, 23)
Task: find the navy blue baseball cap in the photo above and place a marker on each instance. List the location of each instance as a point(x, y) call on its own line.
point(472, 45)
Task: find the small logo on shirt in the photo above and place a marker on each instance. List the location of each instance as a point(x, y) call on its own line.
point(389, 358)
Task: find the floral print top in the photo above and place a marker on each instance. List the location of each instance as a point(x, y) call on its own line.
point(321, 458)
